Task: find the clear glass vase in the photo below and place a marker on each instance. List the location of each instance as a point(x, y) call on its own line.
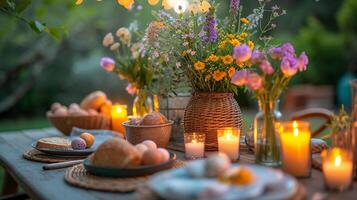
point(142, 104)
point(266, 145)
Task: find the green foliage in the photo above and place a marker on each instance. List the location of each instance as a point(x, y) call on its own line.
point(326, 53)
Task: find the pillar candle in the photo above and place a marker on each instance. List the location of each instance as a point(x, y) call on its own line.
point(119, 115)
point(337, 168)
point(295, 143)
point(228, 142)
point(194, 145)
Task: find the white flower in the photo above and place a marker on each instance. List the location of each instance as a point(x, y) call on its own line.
point(115, 46)
point(193, 53)
point(108, 39)
point(185, 44)
point(136, 49)
point(178, 64)
point(124, 35)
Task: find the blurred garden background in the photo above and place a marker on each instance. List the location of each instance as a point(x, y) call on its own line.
point(50, 52)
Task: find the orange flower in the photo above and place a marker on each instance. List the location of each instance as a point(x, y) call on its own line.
point(235, 42)
point(199, 65)
point(243, 35)
point(213, 58)
point(231, 71)
point(251, 45)
point(218, 75)
point(244, 20)
point(227, 59)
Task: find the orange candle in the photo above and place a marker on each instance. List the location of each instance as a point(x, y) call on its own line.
point(295, 143)
point(119, 115)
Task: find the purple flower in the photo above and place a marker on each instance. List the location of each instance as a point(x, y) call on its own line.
point(242, 53)
point(107, 64)
point(276, 53)
point(209, 32)
point(255, 82)
point(234, 7)
point(289, 65)
point(266, 67)
point(288, 49)
point(257, 57)
point(240, 77)
point(302, 62)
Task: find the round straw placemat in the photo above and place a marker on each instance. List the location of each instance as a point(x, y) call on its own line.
point(38, 156)
point(79, 177)
point(144, 192)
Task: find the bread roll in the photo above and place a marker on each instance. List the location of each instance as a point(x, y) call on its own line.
point(116, 153)
point(54, 143)
point(154, 118)
point(94, 100)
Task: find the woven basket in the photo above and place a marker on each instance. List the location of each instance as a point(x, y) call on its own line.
point(207, 112)
point(65, 124)
point(160, 134)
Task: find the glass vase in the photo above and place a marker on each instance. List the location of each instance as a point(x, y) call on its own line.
point(142, 104)
point(266, 146)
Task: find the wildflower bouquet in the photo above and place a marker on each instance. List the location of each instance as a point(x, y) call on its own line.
point(206, 51)
point(132, 63)
point(270, 75)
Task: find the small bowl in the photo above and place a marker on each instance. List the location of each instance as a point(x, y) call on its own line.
point(66, 123)
point(160, 134)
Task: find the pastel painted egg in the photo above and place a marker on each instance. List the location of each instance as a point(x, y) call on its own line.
point(55, 106)
point(61, 112)
point(150, 144)
point(151, 157)
point(141, 148)
point(164, 154)
point(78, 144)
point(88, 138)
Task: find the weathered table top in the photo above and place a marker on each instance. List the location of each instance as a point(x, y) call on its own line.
point(40, 184)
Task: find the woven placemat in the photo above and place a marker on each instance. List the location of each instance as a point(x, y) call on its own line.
point(78, 176)
point(144, 192)
point(38, 156)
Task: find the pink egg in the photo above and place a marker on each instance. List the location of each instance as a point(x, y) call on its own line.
point(78, 144)
point(141, 148)
point(165, 155)
point(150, 144)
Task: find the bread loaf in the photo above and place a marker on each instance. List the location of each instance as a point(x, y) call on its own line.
point(116, 153)
point(54, 143)
point(94, 100)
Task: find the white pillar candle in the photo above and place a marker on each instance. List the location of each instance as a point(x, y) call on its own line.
point(194, 145)
point(228, 142)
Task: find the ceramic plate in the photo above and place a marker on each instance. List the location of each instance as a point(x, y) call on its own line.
point(65, 153)
point(128, 172)
point(270, 184)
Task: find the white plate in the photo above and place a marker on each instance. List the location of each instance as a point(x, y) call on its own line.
point(270, 184)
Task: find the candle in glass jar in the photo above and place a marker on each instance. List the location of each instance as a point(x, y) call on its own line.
point(194, 145)
point(295, 143)
point(228, 142)
point(119, 115)
point(337, 168)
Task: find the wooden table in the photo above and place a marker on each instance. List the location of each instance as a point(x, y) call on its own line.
point(39, 184)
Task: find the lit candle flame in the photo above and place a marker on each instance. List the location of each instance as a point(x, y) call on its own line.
point(194, 141)
point(295, 127)
point(338, 160)
point(228, 134)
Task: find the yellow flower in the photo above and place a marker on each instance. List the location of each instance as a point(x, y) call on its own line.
point(230, 36)
point(227, 59)
point(218, 75)
point(231, 71)
point(199, 65)
point(244, 20)
point(213, 58)
point(184, 53)
point(235, 42)
point(240, 64)
point(153, 2)
point(222, 45)
point(243, 35)
point(251, 45)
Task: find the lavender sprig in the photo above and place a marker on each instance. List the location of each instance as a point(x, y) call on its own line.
point(209, 31)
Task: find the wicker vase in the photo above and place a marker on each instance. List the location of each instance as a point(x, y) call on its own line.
point(207, 112)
